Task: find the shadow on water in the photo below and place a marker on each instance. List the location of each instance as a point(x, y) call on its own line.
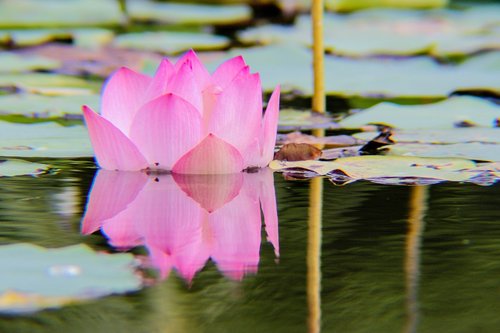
point(368, 258)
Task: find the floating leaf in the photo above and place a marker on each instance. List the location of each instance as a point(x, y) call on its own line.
point(442, 33)
point(367, 167)
point(11, 167)
point(291, 119)
point(473, 150)
point(88, 37)
point(41, 106)
point(423, 77)
point(331, 141)
point(46, 83)
point(443, 136)
point(440, 115)
point(297, 152)
point(177, 13)
point(44, 140)
point(349, 5)
point(12, 62)
point(171, 42)
point(34, 277)
point(52, 13)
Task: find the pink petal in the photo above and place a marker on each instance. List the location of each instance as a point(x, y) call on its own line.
point(186, 84)
point(194, 64)
point(165, 129)
point(227, 71)
point(269, 208)
point(121, 231)
point(122, 96)
point(210, 191)
point(159, 84)
point(236, 230)
point(113, 150)
point(210, 156)
point(237, 115)
point(270, 127)
point(111, 193)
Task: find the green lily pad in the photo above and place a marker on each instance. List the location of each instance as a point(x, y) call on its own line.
point(290, 66)
point(44, 140)
point(13, 62)
point(34, 278)
point(171, 42)
point(86, 37)
point(473, 150)
point(41, 106)
point(440, 115)
point(12, 167)
point(295, 120)
point(56, 13)
point(442, 136)
point(370, 167)
point(47, 83)
point(195, 14)
point(349, 5)
point(442, 33)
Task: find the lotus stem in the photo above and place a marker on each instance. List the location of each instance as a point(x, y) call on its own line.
point(418, 208)
point(314, 255)
point(318, 102)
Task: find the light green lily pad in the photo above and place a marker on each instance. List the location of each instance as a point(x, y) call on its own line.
point(418, 77)
point(442, 33)
point(350, 5)
point(368, 167)
point(47, 83)
point(440, 115)
point(57, 13)
point(195, 14)
point(441, 136)
point(34, 278)
point(171, 42)
point(13, 167)
point(44, 140)
point(13, 62)
point(85, 37)
point(41, 106)
point(472, 150)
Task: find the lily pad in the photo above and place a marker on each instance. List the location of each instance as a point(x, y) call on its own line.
point(46, 83)
point(291, 120)
point(44, 140)
point(171, 42)
point(87, 37)
point(472, 150)
point(349, 5)
point(56, 13)
point(443, 136)
point(41, 106)
point(34, 277)
point(194, 14)
point(12, 167)
point(442, 33)
point(371, 167)
point(441, 115)
point(423, 77)
point(13, 62)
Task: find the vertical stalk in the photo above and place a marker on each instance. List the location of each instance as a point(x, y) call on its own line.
point(318, 102)
point(314, 255)
point(418, 209)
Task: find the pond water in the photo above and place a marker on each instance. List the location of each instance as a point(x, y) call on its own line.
point(371, 258)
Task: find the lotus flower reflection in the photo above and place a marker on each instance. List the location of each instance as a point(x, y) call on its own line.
point(184, 119)
point(183, 220)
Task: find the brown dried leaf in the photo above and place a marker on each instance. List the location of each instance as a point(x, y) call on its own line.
point(297, 152)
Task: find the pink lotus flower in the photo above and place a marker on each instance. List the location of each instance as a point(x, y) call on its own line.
point(184, 220)
point(184, 119)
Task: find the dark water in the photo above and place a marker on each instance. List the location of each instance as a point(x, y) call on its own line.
point(385, 259)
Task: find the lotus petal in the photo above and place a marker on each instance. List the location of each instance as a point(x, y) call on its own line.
point(165, 129)
point(227, 71)
point(211, 156)
point(270, 127)
point(122, 96)
point(161, 80)
point(113, 150)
